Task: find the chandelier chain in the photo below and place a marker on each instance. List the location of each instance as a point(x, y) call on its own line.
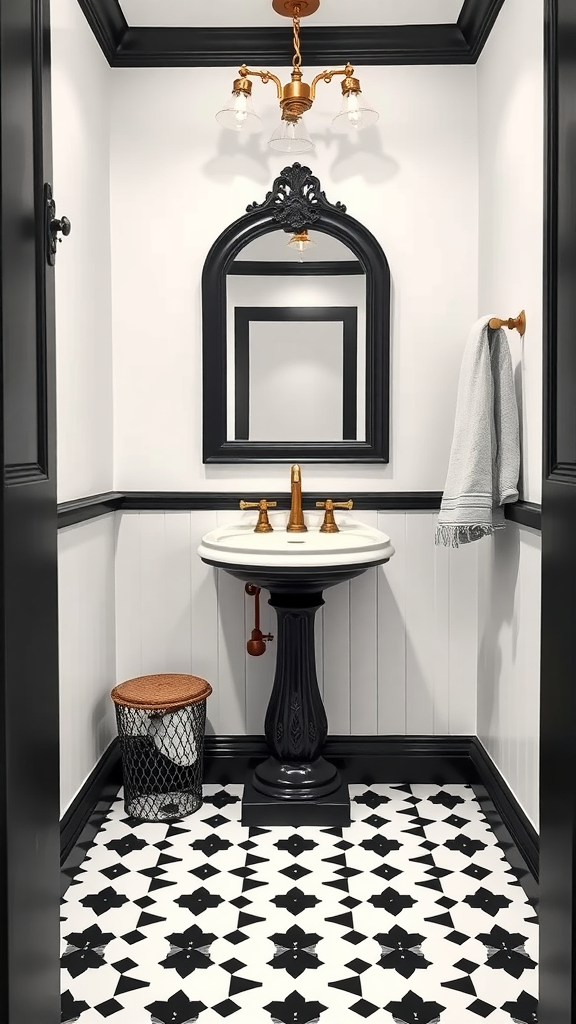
point(297, 58)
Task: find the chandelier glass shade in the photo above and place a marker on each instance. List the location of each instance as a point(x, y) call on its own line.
point(354, 114)
point(300, 241)
point(291, 137)
point(296, 97)
point(239, 114)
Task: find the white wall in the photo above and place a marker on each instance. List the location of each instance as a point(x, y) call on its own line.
point(86, 607)
point(396, 648)
point(81, 81)
point(511, 97)
point(511, 189)
point(177, 179)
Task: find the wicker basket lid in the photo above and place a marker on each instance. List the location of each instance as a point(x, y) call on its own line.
point(168, 692)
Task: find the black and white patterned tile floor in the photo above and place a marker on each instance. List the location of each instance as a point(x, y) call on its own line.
point(410, 915)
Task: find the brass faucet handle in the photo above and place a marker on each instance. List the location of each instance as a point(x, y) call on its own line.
point(335, 504)
point(263, 524)
point(329, 525)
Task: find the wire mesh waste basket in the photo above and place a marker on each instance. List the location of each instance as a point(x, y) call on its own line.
point(161, 722)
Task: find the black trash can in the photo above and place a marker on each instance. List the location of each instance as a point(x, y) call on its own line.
point(161, 723)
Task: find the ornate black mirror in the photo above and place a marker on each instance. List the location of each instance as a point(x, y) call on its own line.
point(296, 333)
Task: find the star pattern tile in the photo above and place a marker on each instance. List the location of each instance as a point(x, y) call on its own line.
point(411, 916)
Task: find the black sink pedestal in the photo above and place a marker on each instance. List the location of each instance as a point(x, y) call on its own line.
point(296, 785)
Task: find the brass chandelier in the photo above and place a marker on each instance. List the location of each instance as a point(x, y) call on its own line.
point(296, 97)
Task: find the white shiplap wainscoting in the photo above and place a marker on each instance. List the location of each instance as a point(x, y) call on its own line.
point(87, 644)
point(509, 659)
point(397, 647)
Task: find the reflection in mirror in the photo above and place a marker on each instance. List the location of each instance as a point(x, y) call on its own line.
point(296, 341)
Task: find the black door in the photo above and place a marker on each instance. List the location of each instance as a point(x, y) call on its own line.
point(29, 782)
point(558, 701)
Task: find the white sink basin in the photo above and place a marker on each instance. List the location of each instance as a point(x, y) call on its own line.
point(236, 544)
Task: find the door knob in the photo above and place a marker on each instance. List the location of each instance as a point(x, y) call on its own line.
point(54, 225)
point(60, 224)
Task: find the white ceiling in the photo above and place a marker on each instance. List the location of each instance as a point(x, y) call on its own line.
point(274, 247)
point(235, 13)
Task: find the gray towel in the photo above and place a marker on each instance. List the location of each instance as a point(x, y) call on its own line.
point(485, 456)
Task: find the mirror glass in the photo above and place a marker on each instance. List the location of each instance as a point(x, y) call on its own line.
point(296, 341)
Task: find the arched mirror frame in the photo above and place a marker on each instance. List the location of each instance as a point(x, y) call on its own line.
point(295, 203)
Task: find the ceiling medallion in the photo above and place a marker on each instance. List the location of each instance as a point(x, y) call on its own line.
point(296, 97)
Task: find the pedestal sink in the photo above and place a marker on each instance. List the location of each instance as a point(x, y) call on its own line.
point(295, 785)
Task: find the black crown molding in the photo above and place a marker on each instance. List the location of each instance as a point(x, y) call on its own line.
point(83, 509)
point(133, 46)
point(316, 268)
point(476, 21)
point(108, 24)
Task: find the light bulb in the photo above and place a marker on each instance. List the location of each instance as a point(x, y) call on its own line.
point(239, 115)
point(300, 241)
point(354, 114)
point(240, 112)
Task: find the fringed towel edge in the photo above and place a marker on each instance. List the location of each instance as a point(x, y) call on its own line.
point(455, 535)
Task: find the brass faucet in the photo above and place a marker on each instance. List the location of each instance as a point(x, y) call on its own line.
point(296, 522)
point(330, 525)
point(263, 524)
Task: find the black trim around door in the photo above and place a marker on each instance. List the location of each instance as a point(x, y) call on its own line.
point(83, 509)
point(29, 718)
point(558, 655)
point(134, 46)
point(244, 316)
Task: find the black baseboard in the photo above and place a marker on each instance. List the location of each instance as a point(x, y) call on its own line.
point(360, 759)
point(521, 831)
point(106, 776)
point(441, 760)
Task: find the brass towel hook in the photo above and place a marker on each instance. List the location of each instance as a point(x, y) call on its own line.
point(517, 323)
